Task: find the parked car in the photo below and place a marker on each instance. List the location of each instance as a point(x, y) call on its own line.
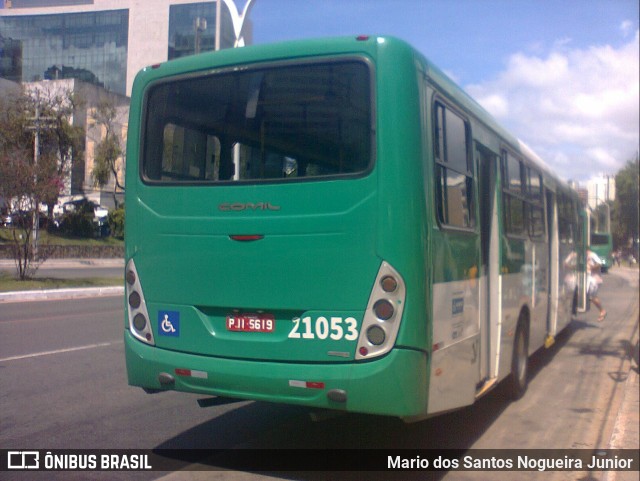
point(97, 214)
point(23, 218)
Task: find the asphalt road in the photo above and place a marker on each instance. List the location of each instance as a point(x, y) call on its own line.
point(63, 385)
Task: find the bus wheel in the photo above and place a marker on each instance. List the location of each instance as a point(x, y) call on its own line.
point(519, 364)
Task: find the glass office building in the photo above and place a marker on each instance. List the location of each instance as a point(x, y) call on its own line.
point(103, 42)
point(185, 37)
point(89, 46)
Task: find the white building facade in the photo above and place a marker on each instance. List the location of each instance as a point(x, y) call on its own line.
point(601, 190)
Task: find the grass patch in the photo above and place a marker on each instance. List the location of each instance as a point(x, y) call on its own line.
point(8, 283)
point(48, 238)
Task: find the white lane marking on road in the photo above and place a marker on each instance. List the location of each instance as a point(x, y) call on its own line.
point(60, 351)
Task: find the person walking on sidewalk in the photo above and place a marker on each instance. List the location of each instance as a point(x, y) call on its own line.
point(594, 280)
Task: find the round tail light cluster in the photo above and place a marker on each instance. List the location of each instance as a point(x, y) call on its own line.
point(139, 324)
point(384, 313)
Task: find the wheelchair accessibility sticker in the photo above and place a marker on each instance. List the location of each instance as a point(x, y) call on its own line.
point(169, 323)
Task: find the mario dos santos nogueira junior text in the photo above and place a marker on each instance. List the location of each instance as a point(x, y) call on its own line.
point(508, 463)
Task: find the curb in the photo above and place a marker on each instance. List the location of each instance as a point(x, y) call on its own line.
point(54, 294)
point(626, 429)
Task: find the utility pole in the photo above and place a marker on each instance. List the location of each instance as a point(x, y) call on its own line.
point(39, 123)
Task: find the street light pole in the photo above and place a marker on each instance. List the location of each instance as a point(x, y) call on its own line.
point(200, 25)
point(218, 23)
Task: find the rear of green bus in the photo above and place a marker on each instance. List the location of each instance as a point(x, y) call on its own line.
point(602, 245)
point(272, 247)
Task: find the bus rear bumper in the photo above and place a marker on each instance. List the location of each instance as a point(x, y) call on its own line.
point(395, 384)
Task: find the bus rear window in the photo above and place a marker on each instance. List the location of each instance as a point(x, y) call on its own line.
point(287, 122)
point(600, 239)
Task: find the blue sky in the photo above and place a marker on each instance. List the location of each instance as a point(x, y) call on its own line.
point(471, 38)
point(562, 75)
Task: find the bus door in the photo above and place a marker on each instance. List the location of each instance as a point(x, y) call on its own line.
point(554, 263)
point(489, 272)
point(537, 258)
point(584, 233)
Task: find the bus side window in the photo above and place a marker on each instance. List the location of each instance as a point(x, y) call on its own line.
point(227, 167)
point(535, 204)
point(454, 175)
point(567, 223)
point(189, 154)
point(513, 196)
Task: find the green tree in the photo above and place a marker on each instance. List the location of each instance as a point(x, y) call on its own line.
point(625, 211)
point(60, 139)
point(31, 172)
point(108, 150)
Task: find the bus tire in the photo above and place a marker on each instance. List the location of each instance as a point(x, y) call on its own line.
point(518, 379)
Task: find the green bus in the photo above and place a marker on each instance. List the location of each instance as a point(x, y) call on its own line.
point(333, 223)
point(602, 245)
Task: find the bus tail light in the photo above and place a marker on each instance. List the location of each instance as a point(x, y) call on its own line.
point(383, 309)
point(376, 335)
point(384, 312)
point(139, 322)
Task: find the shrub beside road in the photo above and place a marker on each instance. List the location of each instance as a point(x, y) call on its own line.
point(77, 252)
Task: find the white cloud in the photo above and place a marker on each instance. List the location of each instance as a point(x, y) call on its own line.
point(601, 156)
point(626, 27)
point(532, 71)
point(495, 103)
point(561, 43)
point(577, 108)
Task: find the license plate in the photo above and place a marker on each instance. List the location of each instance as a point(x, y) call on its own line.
point(251, 322)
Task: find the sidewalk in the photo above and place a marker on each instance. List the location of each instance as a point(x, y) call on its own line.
point(626, 432)
point(68, 263)
point(68, 293)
